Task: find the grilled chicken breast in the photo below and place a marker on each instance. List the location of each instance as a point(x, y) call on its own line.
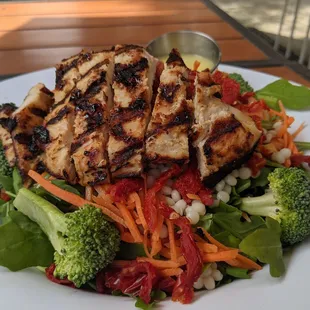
point(167, 132)
point(60, 121)
point(224, 137)
point(134, 73)
point(6, 124)
point(29, 115)
point(92, 98)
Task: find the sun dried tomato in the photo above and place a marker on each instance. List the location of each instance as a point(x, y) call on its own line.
point(297, 160)
point(183, 290)
point(230, 91)
point(244, 98)
point(205, 195)
point(121, 189)
point(49, 272)
point(136, 279)
point(4, 196)
point(166, 285)
point(256, 163)
point(219, 76)
point(150, 201)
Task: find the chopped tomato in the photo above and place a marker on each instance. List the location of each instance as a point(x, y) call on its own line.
point(255, 108)
point(136, 279)
point(230, 91)
point(244, 98)
point(205, 195)
point(218, 77)
point(256, 163)
point(49, 271)
point(183, 290)
point(121, 189)
point(150, 201)
point(4, 196)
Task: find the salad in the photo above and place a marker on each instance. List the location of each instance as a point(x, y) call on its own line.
point(181, 225)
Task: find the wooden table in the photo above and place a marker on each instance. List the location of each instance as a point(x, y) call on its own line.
point(37, 35)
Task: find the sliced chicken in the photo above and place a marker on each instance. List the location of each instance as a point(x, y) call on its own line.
point(132, 85)
point(223, 136)
point(60, 121)
point(92, 98)
point(6, 125)
point(167, 132)
point(29, 115)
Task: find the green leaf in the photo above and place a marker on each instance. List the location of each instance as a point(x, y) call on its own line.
point(244, 85)
point(17, 180)
point(62, 184)
point(228, 239)
point(273, 164)
point(130, 251)
point(302, 146)
point(7, 183)
point(4, 212)
point(140, 304)
point(238, 272)
point(205, 221)
point(224, 207)
point(265, 245)
point(293, 97)
point(262, 179)
point(158, 295)
point(242, 185)
point(232, 223)
point(23, 244)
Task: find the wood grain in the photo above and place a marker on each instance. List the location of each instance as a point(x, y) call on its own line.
point(286, 73)
point(27, 39)
point(107, 19)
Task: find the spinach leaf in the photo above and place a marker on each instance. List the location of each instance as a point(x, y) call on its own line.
point(293, 97)
point(7, 183)
point(232, 223)
point(243, 185)
point(228, 239)
point(4, 211)
point(235, 199)
point(224, 207)
point(156, 296)
point(238, 272)
point(140, 304)
point(265, 245)
point(130, 251)
point(205, 222)
point(262, 179)
point(17, 180)
point(62, 184)
point(23, 244)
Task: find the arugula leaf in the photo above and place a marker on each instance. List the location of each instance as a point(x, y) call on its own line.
point(23, 244)
point(244, 85)
point(156, 296)
point(265, 245)
point(4, 211)
point(293, 97)
point(7, 183)
point(130, 251)
point(238, 272)
point(62, 184)
point(231, 222)
point(140, 304)
point(17, 180)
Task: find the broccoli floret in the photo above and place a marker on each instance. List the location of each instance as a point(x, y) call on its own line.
point(244, 85)
point(5, 168)
point(85, 242)
point(287, 201)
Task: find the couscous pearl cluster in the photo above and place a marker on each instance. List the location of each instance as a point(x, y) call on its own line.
point(208, 278)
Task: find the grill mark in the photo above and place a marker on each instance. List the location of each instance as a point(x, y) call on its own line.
point(99, 177)
point(222, 127)
point(122, 157)
point(168, 91)
point(30, 143)
point(41, 135)
point(40, 168)
point(64, 111)
point(127, 48)
point(22, 138)
point(8, 123)
point(118, 133)
point(38, 112)
point(163, 159)
point(61, 70)
point(8, 108)
point(175, 58)
point(46, 91)
point(95, 87)
point(128, 75)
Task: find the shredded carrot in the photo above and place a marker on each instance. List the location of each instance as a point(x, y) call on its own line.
point(134, 213)
point(156, 242)
point(198, 238)
point(193, 197)
point(287, 163)
point(170, 272)
point(130, 223)
point(111, 207)
point(100, 189)
point(298, 130)
point(135, 197)
point(127, 237)
point(196, 65)
point(246, 217)
point(213, 240)
point(131, 205)
point(181, 260)
point(172, 244)
point(207, 247)
point(88, 192)
point(220, 256)
point(248, 263)
point(160, 264)
point(145, 245)
point(165, 252)
point(70, 197)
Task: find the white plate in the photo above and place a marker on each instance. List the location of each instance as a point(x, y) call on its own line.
point(30, 289)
